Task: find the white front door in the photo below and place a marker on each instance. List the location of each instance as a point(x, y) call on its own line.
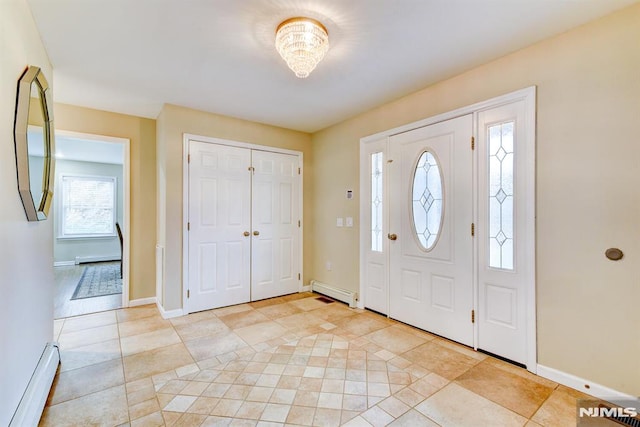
point(430, 242)
point(275, 242)
point(219, 217)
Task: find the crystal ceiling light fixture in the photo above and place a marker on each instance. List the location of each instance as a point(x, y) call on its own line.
point(302, 43)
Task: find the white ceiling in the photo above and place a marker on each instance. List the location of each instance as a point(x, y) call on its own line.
point(132, 56)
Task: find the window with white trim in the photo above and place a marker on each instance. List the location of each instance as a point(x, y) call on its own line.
point(88, 206)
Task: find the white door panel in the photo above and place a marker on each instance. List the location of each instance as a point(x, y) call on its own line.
point(431, 283)
point(275, 263)
point(219, 214)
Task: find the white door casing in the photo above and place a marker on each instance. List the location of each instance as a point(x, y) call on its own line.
point(275, 216)
point(433, 288)
point(219, 215)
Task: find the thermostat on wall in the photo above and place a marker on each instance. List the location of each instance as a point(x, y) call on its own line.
point(349, 194)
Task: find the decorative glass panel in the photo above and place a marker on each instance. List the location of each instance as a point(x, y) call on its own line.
point(501, 195)
point(376, 202)
point(427, 198)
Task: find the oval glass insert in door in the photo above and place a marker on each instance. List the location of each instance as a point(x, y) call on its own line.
point(427, 201)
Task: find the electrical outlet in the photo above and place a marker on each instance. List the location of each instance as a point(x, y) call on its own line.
point(349, 221)
point(328, 265)
point(339, 222)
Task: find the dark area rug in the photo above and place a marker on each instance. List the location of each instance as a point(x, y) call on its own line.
point(98, 281)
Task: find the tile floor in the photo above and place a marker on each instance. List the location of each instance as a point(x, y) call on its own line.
point(292, 360)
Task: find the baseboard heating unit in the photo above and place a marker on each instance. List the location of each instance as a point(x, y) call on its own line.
point(343, 295)
point(32, 403)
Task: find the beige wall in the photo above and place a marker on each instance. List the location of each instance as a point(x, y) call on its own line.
point(172, 123)
point(588, 169)
point(142, 196)
point(26, 252)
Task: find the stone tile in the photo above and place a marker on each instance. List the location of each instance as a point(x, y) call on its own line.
point(409, 396)
point(393, 406)
point(251, 410)
point(559, 409)
point(441, 360)
point(85, 337)
point(148, 341)
point(279, 311)
point(244, 318)
point(377, 417)
point(261, 332)
point(140, 326)
point(70, 385)
point(361, 325)
point(190, 420)
point(193, 318)
point(514, 392)
point(156, 361)
point(394, 339)
point(354, 402)
point(300, 415)
point(208, 327)
point(283, 396)
point(224, 311)
point(300, 321)
point(152, 420)
point(143, 409)
point(203, 405)
point(275, 412)
point(215, 421)
point(227, 407)
point(307, 304)
point(411, 419)
point(79, 357)
point(180, 403)
point(455, 405)
point(133, 313)
point(89, 321)
point(106, 407)
point(327, 417)
point(208, 347)
point(357, 422)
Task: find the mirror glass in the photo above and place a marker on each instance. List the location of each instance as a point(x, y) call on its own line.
point(33, 135)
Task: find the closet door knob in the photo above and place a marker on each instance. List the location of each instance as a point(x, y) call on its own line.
point(247, 234)
point(256, 233)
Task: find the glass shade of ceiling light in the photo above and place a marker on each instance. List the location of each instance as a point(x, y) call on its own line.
point(302, 43)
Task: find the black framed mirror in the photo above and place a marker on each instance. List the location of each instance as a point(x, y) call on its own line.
point(33, 137)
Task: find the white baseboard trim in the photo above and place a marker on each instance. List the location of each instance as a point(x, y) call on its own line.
point(35, 396)
point(306, 288)
point(142, 301)
point(169, 314)
point(63, 263)
point(585, 386)
point(97, 258)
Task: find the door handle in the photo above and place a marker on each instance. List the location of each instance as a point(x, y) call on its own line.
point(392, 236)
point(247, 234)
point(256, 233)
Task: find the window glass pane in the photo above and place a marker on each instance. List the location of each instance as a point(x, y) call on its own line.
point(427, 203)
point(88, 205)
point(501, 180)
point(376, 202)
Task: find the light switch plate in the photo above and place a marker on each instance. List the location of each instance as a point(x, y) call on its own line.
point(349, 221)
point(339, 222)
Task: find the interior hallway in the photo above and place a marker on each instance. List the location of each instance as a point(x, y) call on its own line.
point(293, 360)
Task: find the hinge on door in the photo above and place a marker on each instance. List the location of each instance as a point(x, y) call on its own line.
point(473, 316)
point(299, 171)
point(473, 229)
point(188, 293)
point(298, 276)
point(188, 158)
point(188, 226)
point(298, 223)
point(251, 169)
point(473, 143)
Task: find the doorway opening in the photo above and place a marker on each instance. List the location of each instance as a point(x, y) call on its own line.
point(90, 224)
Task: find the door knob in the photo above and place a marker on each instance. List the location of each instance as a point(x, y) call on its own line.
point(247, 234)
point(392, 236)
point(256, 233)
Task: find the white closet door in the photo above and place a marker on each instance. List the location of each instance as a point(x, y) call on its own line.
point(431, 211)
point(219, 215)
point(275, 234)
